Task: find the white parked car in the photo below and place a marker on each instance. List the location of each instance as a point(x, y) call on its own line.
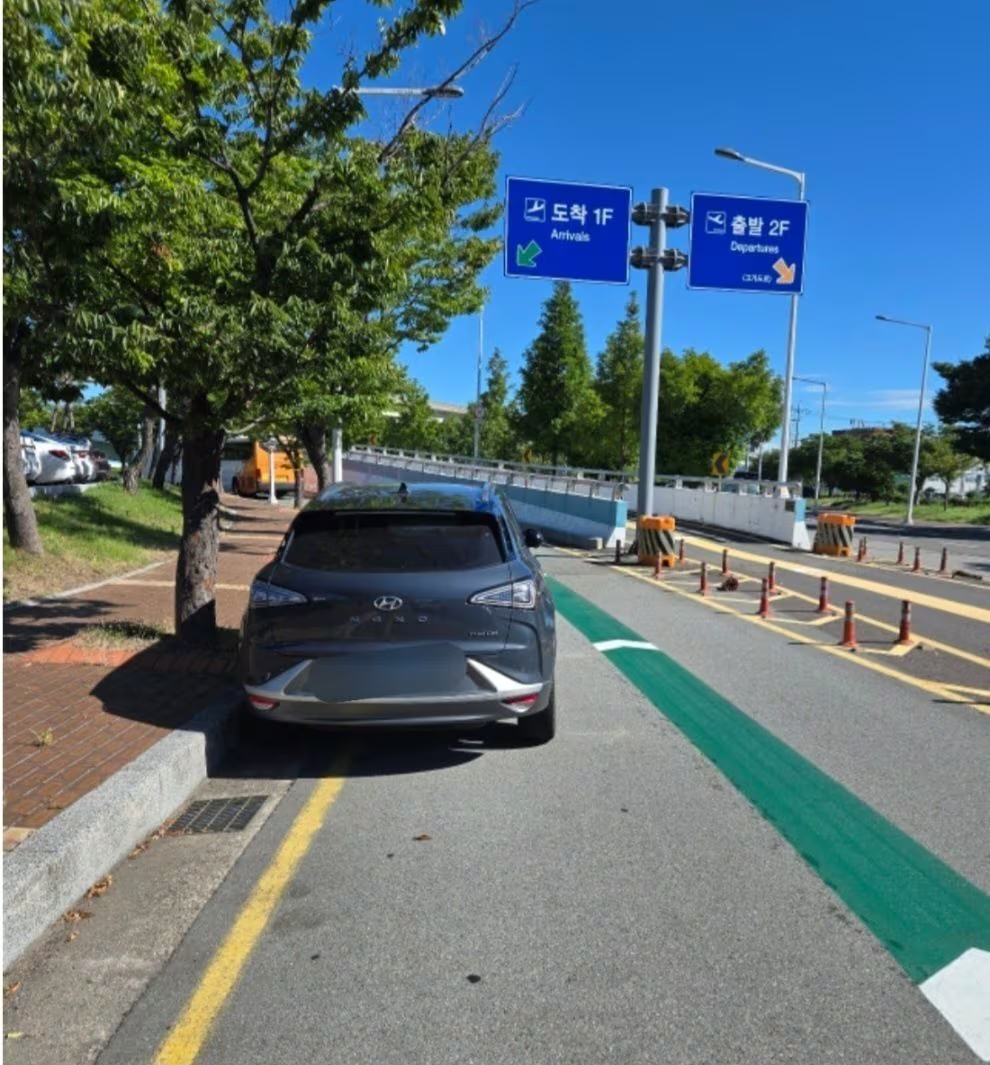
point(57, 466)
point(78, 448)
point(30, 459)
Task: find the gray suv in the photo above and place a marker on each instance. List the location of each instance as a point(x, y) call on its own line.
point(403, 605)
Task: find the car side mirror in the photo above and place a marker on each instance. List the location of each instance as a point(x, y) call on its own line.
point(533, 538)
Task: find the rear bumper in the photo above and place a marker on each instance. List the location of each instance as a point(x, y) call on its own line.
point(309, 694)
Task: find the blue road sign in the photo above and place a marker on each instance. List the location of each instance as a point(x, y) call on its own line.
point(567, 232)
point(746, 243)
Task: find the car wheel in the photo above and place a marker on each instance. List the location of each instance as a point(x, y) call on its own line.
point(541, 726)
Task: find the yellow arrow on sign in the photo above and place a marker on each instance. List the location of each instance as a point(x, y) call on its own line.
point(785, 273)
point(720, 464)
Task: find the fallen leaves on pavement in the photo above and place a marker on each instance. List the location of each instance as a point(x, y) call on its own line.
point(421, 837)
point(101, 887)
point(76, 915)
point(145, 844)
point(11, 989)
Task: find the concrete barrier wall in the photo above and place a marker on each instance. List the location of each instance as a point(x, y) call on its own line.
point(777, 519)
point(565, 517)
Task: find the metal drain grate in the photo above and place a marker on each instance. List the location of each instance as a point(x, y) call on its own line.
point(216, 815)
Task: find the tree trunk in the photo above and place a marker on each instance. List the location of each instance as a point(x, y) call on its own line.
point(131, 477)
point(196, 570)
point(314, 440)
point(167, 457)
point(300, 495)
point(176, 460)
point(18, 507)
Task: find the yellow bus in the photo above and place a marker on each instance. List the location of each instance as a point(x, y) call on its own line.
point(251, 477)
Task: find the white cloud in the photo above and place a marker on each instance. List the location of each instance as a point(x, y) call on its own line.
point(881, 399)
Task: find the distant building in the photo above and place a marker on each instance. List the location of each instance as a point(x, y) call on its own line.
point(443, 412)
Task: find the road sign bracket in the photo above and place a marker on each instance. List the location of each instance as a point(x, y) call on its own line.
point(675, 217)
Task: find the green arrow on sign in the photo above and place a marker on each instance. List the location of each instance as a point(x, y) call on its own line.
point(527, 256)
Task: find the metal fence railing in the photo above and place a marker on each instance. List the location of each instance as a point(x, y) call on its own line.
point(595, 483)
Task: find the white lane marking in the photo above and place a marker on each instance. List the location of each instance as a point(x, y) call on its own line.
point(56, 596)
point(961, 993)
point(614, 645)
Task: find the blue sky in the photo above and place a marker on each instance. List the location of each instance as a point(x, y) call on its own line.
point(885, 106)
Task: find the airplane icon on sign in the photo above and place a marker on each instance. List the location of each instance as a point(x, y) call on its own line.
point(535, 209)
point(715, 222)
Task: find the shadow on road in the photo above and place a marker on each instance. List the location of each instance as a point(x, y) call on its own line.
point(296, 752)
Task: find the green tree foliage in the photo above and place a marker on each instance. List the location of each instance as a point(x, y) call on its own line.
point(497, 436)
point(120, 417)
point(705, 408)
point(964, 402)
point(416, 428)
point(253, 240)
point(944, 459)
point(875, 464)
point(556, 398)
point(64, 119)
point(619, 385)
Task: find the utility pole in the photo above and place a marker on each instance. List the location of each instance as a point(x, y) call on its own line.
point(477, 401)
point(656, 259)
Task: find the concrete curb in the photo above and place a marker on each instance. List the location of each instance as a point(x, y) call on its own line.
point(58, 863)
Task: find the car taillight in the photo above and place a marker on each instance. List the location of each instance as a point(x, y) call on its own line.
point(262, 704)
point(59, 453)
point(519, 595)
point(264, 594)
point(522, 702)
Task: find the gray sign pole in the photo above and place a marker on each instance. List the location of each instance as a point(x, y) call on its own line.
point(651, 362)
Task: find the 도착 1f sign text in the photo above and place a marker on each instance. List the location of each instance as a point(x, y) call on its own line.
point(567, 232)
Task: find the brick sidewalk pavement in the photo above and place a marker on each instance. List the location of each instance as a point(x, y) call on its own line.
point(73, 715)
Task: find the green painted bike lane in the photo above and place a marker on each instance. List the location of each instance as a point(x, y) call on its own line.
point(919, 908)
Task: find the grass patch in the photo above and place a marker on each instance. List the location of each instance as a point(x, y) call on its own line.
point(955, 513)
point(121, 635)
point(88, 537)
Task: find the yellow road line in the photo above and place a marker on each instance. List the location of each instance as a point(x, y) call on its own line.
point(929, 642)
point(193, 1026)
point(931, 687)
point(932, 602)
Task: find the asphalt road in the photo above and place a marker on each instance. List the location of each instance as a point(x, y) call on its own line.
point(946, 614)
point(614, 896)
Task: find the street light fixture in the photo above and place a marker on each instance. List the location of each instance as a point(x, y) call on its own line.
point(913, 489)
point(439, 92)
point(785, 435)
point(821, 433)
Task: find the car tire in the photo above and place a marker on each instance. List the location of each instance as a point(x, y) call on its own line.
point(540, 727)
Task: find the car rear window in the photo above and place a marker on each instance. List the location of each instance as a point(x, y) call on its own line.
point(394, 542)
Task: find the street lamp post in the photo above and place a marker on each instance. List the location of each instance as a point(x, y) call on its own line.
point(821, 433)
point(913, 489)
point(785, 434)
point(439, 92)
point(477, 395)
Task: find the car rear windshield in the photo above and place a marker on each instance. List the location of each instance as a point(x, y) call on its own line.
point(394, 542)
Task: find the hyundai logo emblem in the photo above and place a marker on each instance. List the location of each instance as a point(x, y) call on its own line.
point(388, 602)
